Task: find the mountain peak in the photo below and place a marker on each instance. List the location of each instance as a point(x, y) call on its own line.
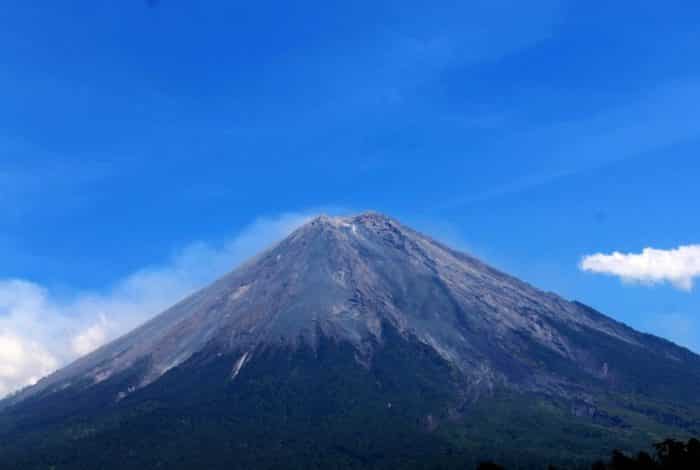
point(363, 228)
point(367, 218)
point(349, 279)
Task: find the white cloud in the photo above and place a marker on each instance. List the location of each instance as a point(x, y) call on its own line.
point(91, 338)
point(22, 362)
point(679, 266)
point(40, 331)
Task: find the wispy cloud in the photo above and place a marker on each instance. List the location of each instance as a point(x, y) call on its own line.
point(40, 331)
point(407, 55)
point(678, 266)
point(665, 116)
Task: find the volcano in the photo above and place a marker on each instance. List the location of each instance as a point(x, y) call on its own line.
point(357, 342)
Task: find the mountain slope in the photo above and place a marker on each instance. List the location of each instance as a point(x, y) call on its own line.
point(379, 327)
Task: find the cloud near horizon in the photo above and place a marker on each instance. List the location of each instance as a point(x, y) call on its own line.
point(679, 266)
point(40, 331)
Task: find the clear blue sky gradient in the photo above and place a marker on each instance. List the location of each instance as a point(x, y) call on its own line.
point(530, 133)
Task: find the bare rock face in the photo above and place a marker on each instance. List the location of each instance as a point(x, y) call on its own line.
point(348, 278)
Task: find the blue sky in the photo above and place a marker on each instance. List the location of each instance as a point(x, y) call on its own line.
point(141, 137)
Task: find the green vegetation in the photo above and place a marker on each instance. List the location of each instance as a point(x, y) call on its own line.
point(317, 408)
point(670, 454)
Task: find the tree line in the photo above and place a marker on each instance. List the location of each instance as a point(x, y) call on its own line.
point(669, 454)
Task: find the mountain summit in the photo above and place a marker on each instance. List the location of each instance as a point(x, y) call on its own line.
point(350, 327)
